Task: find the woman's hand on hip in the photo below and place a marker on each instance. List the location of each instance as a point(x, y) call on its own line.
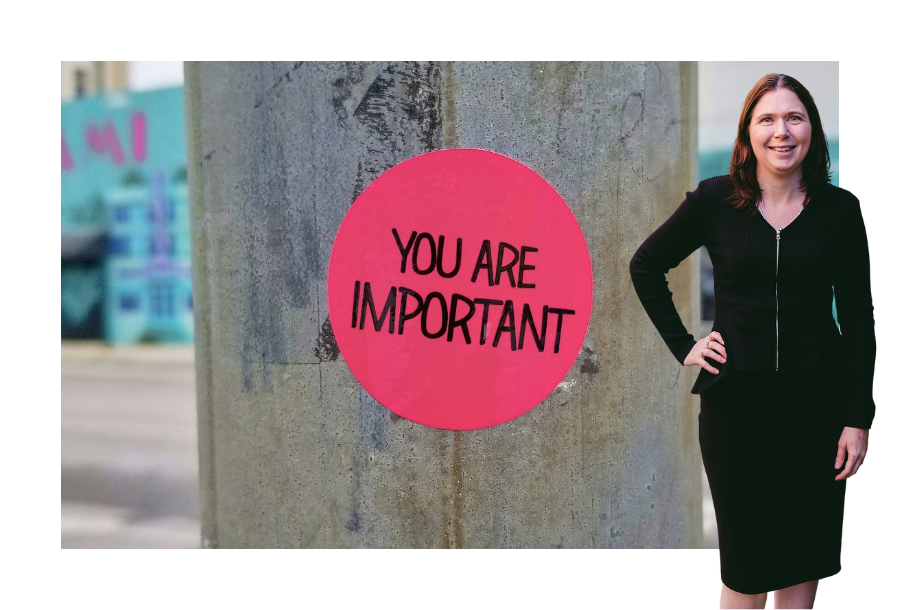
point(712, 346)
point(852, 445)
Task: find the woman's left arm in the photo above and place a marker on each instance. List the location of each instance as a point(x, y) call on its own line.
point(853, 297)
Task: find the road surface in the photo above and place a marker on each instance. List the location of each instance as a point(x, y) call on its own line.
point(129, 447)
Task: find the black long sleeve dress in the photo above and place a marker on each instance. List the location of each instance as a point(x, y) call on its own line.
point(771, 418)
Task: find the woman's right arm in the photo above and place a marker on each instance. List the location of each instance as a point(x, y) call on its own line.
point(853, 297)
point(670, 244)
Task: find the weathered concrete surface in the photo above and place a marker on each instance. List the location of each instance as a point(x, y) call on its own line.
point(293, 452)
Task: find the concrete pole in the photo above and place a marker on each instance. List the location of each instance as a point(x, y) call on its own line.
point(293, 451)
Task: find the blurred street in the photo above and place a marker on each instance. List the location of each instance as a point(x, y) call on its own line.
point(129, 447)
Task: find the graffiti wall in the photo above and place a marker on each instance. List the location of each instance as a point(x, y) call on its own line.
point(125, 232)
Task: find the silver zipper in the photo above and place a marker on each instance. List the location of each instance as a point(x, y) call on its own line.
point(777, 250)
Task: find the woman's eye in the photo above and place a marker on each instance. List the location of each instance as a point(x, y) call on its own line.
point(795, 118)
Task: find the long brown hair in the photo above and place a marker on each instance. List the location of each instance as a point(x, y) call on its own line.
point(816, 164)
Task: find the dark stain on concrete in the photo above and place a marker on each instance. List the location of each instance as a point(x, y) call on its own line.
point(353, 73)
point(302, 266)
point(402, 100)
point(247, 374)
point(359, 184)
point(256, 376)
point(394, 110)
point(280, 260)
point(286, 76)
point(355, 523)
point(377, 105)
point(422, 101)
point(326, 349)
point(373, 427)
point(357, 470)
point(589, 364)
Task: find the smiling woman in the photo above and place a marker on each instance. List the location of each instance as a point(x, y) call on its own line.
point(790, 386)
point(780, 138)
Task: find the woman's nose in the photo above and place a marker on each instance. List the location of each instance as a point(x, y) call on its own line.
point(781, 129)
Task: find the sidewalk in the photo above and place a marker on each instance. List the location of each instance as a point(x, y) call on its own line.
point(98, 350)
point(97, 359)
point(129, 447)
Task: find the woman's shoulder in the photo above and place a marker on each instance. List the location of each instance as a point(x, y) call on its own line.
point(843, 205)
point(843, 196)
point(714, 190)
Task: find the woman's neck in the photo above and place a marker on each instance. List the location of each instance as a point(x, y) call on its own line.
point(781, 191)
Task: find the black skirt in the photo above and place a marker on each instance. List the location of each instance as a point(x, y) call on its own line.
point(769, 443)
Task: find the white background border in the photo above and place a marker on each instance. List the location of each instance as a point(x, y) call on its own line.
point(165, 30)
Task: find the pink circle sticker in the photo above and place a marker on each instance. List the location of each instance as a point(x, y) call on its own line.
point(460, 289)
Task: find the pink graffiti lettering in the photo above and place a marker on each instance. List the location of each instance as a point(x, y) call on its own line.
point(105, 141)
point(67, 163)
point(139, 136)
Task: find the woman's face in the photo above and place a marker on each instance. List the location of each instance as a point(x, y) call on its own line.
point(780, 133)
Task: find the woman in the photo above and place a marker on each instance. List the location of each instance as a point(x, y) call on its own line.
point(786, 395)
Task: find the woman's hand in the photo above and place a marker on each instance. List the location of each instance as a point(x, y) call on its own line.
point(853, 444)
point(712, 346)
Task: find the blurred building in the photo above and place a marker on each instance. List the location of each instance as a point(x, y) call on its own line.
point(125, 253)
point(81, 78)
